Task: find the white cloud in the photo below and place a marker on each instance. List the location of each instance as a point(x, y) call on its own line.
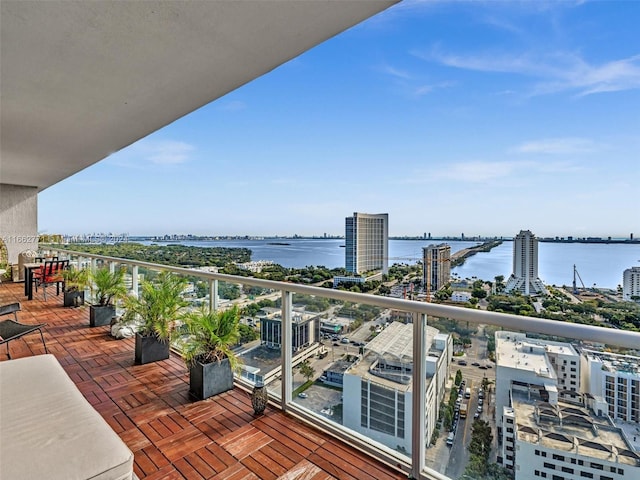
point(394, 72)
point(480, 172)
point(558, 146)
point(557, 71)
point(164, 152)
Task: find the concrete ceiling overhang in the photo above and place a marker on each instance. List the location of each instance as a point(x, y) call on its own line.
point(83, 79)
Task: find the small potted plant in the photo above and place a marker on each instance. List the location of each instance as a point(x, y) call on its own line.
point(155, 311)
point(208, 350)
point(76, 281)
point(107, 288)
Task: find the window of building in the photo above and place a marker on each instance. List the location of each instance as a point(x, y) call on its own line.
point(567, 470)
point(550, 466)
point(557, 477)
point(573, 460)
point(586, 474)
point(510, 430)
point(510, 420)
point(558, 457)
point(597, 466)
point(573, 362)
point(605, 477)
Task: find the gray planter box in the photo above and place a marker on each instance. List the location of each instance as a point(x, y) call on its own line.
point(149, 349)
point(209, 379)
point(73, 299)
point(100, 315)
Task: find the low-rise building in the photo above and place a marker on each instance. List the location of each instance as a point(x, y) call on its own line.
point(550, 369)
point(377, 389)
point(611, 383)
point(563, 441)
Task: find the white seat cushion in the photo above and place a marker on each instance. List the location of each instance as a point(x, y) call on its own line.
point(48, 430)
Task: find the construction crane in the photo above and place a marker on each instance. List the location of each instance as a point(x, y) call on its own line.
point(576, 274)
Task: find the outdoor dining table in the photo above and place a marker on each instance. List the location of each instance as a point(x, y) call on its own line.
point(28, 278)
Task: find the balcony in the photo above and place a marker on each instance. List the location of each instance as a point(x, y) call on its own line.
point(174, 437)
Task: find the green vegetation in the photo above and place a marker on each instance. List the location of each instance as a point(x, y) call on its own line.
point(479, 467)
point(158, 306)
point(307, 370)
point(177, 255)
point(212, 336)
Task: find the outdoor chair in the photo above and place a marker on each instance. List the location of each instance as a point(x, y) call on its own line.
point(12, 329)
point(50, 274)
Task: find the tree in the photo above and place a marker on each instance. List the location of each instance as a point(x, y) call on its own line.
point(458, 379)
point(307, 370)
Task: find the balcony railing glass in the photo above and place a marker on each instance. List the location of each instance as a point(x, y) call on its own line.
point(347, 362)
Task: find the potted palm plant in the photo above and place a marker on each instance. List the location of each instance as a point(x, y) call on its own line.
point(155, 310)
point(107, 288)
point(76, 281)
point(208, 350)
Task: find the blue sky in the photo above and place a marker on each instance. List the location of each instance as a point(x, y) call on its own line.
point(482, 118)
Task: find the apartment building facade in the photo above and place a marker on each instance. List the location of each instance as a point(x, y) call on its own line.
point(524, 278)
point(367, 243)
point(436, 266)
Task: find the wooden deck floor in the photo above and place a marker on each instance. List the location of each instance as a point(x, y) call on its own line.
point(173, 437)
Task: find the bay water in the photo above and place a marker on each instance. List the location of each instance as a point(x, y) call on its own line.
point(597, 264)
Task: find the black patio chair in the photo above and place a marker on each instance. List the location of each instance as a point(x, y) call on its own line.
point(12, 329)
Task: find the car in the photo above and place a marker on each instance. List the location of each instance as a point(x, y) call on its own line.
point(476, 416)
point(450, 439)
point(344, 340)
point(323, 378)
point(336, 344)
point(488, 365)
point(480, 401)
point(462, 362)
point(475, 364)
point(482, 367)
point(302, 395)
point(479, 410)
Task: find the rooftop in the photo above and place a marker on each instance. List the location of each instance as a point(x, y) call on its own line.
point(171, 436)
point(612, 362)
point(570, 428)
point(516, 350)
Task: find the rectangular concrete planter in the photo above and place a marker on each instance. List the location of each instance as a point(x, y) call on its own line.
point(209, 379)
point(149, 349)
point(100, 315)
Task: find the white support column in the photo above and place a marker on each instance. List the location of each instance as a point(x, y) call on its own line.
point(112, 267)
point(134, 280)
point(94, 264)
point(213, 295)
point(287, 354)
point(418, 431)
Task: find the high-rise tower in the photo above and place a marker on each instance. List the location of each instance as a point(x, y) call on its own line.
point(367, 242)
point(436, 269)
point(525, 265)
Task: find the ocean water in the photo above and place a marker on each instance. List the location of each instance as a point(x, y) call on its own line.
point(599, 264)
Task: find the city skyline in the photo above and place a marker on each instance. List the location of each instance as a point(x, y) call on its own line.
point(495, 116)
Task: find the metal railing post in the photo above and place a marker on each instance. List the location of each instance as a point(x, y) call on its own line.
point(418, 407)
point(286, 332)
point(213, 295)
point(134, 280)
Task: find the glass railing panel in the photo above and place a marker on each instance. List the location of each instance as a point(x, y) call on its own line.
point(503, 360)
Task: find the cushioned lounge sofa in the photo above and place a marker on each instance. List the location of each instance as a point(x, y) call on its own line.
point(48, 430)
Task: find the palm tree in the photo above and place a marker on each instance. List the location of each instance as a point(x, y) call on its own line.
point(212, 334)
